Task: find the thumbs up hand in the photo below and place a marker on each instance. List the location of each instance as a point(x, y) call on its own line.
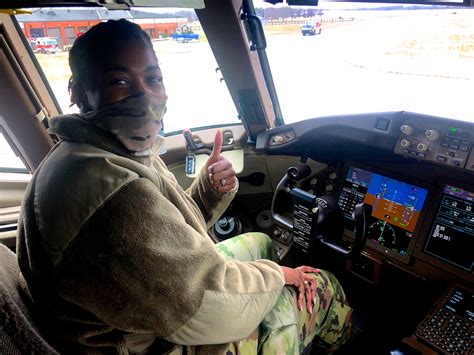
point(220, 170)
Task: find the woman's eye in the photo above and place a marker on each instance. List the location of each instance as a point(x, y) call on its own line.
point(155, 79)
point(119, 82)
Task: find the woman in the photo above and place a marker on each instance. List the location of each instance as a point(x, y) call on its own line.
point(118, 255)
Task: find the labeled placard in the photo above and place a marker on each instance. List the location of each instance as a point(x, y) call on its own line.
point(303, 219)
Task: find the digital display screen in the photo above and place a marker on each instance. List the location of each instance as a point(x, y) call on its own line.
point(396, 207)
point(452, 234)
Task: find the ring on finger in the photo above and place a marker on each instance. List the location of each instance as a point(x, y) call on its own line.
point(223, 182)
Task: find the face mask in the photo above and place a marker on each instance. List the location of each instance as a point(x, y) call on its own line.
point(160, 140)
point(135, 121)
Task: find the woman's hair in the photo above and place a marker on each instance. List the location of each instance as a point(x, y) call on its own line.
point(91, 51)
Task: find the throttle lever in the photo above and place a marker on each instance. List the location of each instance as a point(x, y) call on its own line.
point(191, 143)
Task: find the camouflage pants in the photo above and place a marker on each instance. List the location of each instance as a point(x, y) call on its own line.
point(286, 329)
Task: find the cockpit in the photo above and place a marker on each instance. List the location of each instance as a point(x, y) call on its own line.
point(354, 148)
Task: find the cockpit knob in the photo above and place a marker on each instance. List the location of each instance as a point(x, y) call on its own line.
point(333, 176)
point(329, 187)
point(432, 134)
point(407, 129)
point(405, 143)
point(422, 147)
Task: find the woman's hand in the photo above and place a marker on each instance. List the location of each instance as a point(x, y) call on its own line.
point(220, 170)
point(301, 278)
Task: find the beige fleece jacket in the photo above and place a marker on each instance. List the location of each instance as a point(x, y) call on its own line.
point(119, 254)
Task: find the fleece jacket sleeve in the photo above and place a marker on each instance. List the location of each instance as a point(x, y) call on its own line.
point(139, 266)
point(211, 202)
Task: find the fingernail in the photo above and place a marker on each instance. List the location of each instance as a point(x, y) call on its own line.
point(314, 300)
point(311, 311)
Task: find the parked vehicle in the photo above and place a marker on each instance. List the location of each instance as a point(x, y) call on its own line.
point(184, 34)
point(311, 29)
point(45, 45)
point(185, 37)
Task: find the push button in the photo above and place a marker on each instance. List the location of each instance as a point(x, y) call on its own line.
point(441, 158)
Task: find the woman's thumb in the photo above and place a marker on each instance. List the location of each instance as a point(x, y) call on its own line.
point(216, 150)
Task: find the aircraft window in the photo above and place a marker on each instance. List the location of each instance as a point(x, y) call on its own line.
point(368, 58)
point(8, 160)
point(196, 95)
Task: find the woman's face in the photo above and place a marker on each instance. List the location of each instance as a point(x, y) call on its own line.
point(132, 69)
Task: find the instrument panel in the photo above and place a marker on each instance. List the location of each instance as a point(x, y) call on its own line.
point(410, 219)
point(415, 170)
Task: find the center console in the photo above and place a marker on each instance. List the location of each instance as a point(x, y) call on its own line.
point(449, 327)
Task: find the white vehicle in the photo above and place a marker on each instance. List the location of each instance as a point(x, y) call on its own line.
point(45, 45)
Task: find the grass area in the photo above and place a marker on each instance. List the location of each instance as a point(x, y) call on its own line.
point(55, 66)
point(454, 36)
point(281, 29)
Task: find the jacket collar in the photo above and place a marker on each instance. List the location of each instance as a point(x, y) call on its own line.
point(74, 128)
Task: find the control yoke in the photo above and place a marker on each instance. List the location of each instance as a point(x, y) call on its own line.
point(316, 220)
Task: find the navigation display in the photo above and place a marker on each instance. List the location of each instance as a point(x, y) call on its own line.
point(452, 235)
point(396, 207)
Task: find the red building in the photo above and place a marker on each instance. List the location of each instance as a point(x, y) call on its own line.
point(67, 25)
